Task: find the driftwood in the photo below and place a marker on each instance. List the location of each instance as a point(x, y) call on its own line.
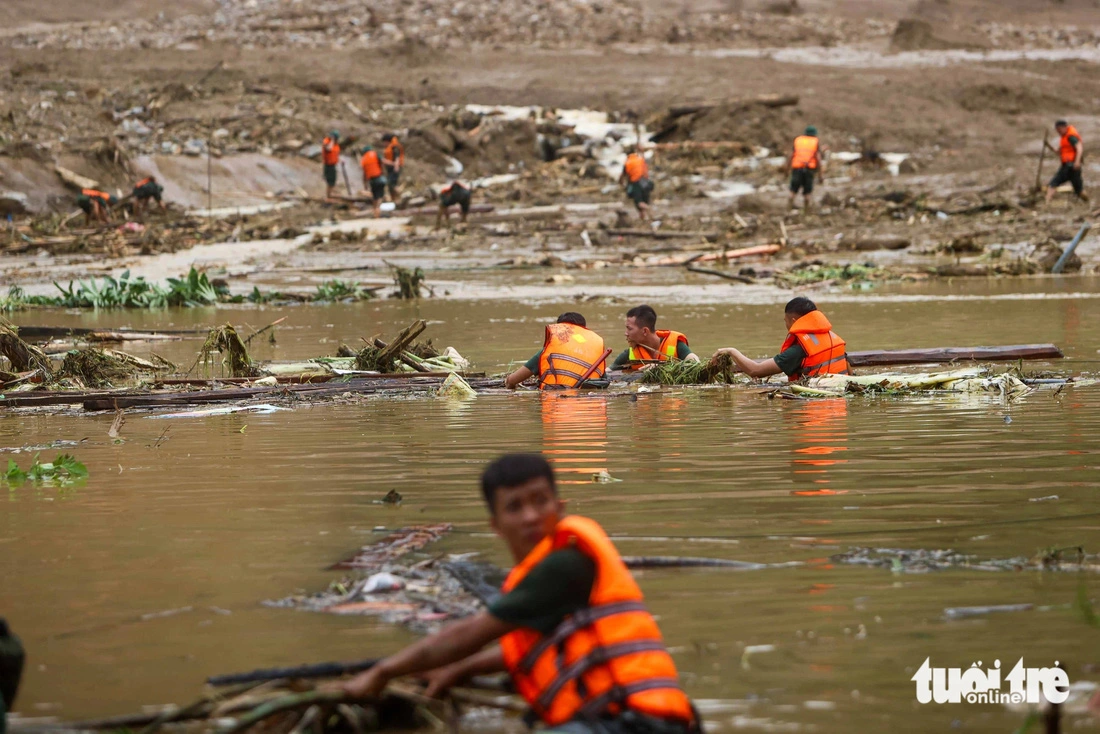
point(688, 562)
point(106, 335)
point(952, 354)
point(869, 244)
point(665, 235)
point(23, 357)
point(393, 350)
point(765, 100)
point(316, 670)
point(715, 256)
point(75, 179)
point(702, 145)
point(403, 357)
point(728, 276)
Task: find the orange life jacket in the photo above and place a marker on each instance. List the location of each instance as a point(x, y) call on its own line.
point(330, 152)
point(142, 182)
point(393, 148)
point(567, 353)
point(805, 152)
point(636, 168)
point(372, 166)
point(825, 351)
point(605, 658)
point(670, 341)
point(96, 194)
point(1069, 150)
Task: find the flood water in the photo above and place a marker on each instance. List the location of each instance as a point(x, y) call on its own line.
point(133, 587)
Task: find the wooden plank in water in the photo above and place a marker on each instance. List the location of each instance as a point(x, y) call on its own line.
point(954, 354)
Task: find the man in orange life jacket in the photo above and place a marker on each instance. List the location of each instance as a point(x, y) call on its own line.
point(647, 344)
point(811, 347)
point(567, 352)
point(574, 632)
point(393, 158)
point(804, 162)
point(373, 177)
point(330, 157)
point(1071, 151)
point(638, 186)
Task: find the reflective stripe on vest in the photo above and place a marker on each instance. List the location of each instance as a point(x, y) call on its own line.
point(567, 352)
point(605, 658)
point(577, 620)
point(1068, 150)
point(636, 168)
point(805, 152)
point(826, 353)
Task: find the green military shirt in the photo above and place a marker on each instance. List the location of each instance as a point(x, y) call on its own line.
point(556, 587)
point(790, 359)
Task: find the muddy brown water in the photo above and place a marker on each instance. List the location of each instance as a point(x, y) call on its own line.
point(133, 587)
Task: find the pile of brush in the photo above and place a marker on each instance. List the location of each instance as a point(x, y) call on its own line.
point(720, 370)
point(295, 704)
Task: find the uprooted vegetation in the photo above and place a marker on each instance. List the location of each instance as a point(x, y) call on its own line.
point(195, 289)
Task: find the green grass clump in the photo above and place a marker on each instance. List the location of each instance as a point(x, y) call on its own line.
point(65, 469)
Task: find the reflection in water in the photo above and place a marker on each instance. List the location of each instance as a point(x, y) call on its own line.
point(820, 438)
point(574, 434)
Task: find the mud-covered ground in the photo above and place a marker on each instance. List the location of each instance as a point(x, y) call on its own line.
point(963, 90)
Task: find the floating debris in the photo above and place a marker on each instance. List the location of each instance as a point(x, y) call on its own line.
point(920, 560)
point(63, 470)
point(225, 340)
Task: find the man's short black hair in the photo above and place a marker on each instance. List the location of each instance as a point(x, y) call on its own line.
point(643, 316)
point(512, 470)
point(387, 137)
point(572, 317)
point(800, 306)
point(1060, 123)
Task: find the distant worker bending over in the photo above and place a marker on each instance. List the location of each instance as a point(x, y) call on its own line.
point(811, 347)
point(330, 157)
point(1071, 151)
point(373, 178)
point(145, 191)
point(568, 352)
point(649, 345)
point(393, 158)
point(804, 163)
point(96, 205)
point(455, 193)
point(573, 629)
point(635, 176)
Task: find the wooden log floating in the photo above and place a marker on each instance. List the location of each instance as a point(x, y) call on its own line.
point(954, 354)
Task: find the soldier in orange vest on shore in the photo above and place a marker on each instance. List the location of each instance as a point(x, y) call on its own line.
point(635, 176)
point(330, 158)
point(96, 205)
point(567, 353)
point(648, 345)
point(575, 635)
point(373, 177)
point(810, 349)
point(1071, 152)
point(393, 159)
point(804, 163)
